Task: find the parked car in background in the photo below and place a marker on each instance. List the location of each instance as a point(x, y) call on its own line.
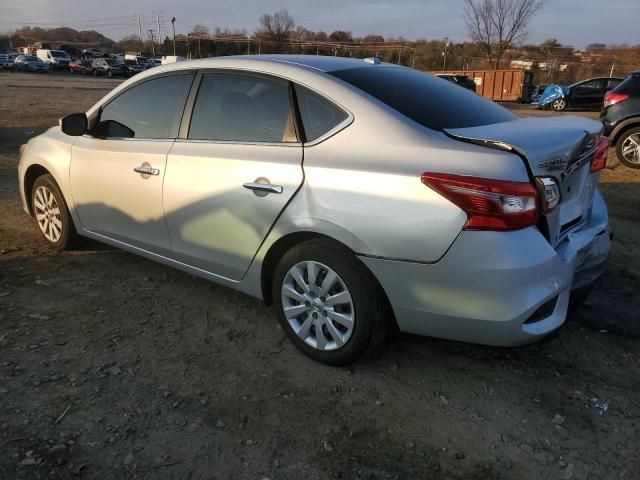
point(56, 59)
point(133, 67)
point(72, 51)
point(5, 61)
point(464, 221)
point(621, 118)
point(108, 67)
point(30, 63)
point(84, 67)
point(92, 52)
point(537, 93)
point(587, 94)
point(461, 80)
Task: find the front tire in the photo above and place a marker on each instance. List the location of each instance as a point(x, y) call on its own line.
point(328, 303)
point(51, 213)
point(559, 105)
point(628, 148)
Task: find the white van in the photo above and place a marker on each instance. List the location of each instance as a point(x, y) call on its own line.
point(57, 59)
point(172, 59)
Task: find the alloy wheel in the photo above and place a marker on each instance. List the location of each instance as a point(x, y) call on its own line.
point(48, 214)
point(631, 149)
point(559, 104)
point(318, 305)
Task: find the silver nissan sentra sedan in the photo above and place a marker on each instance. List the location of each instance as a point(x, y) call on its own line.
point(355, 196)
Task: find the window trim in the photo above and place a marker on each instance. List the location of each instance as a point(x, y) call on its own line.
point(93, 122)
point(185, 124)
point(188, 111)
point(329, 133)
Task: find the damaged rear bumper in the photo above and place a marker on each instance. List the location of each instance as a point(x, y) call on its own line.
point(489, 285)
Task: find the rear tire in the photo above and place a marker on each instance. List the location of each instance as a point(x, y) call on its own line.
point(628, 148)
point(317, 314)
point(51, 214)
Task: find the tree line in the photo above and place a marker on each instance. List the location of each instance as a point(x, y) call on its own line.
point(498, 30)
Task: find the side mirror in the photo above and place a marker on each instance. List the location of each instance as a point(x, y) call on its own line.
point(74, 125)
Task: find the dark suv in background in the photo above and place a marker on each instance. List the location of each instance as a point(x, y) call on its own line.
point(621, 118)
point(108, 67)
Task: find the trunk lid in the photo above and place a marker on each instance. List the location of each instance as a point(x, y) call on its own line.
point(558, 147)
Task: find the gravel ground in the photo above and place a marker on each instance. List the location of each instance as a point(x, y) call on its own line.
point(112, 366)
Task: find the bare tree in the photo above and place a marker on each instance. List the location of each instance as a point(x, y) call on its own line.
point(200, 30)
point(498, 25)
point(277, 27)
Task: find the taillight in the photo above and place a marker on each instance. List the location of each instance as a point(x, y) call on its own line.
point(599, 160)
point(489, 204)
point(612, 98)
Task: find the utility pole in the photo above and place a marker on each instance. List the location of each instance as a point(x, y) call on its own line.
point(173, 25)
point(158, 22)
point(613, 64)
point(140, 27)
point(153, 47)
point(444, 54)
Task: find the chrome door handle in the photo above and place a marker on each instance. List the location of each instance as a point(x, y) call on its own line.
point(147, 170)
point(263, 187)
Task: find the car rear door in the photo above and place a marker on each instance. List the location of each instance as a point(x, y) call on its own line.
point(236, 164)
point(117, 171)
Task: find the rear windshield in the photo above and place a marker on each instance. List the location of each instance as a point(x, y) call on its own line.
point(630, 86)
point(432, 102)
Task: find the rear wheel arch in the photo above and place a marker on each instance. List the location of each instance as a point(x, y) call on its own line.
point(622, 128)
point(281, 246)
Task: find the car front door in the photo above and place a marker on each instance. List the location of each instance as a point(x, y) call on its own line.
point(117, 170)
point(235, 167)
point(588, 94)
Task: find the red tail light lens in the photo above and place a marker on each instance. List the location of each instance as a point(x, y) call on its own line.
point(489, 204)
point(599, 160)
point(612, 98)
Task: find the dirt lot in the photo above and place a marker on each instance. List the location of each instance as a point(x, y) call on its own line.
point(112, 366)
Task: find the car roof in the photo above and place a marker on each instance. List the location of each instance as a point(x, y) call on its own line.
point(317, 62)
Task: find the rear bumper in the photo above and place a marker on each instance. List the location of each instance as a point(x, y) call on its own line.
point(489, 283)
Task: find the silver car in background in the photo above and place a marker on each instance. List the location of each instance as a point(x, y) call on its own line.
point(355, 196)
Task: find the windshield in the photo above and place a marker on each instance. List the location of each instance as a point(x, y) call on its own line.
point(432, 102)
point(59, 54)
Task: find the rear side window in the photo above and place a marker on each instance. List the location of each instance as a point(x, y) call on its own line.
point(151, 109)
point(630, 85)
point(242, 108)
point(432, 102)
point(319, 115)
point(613, 83)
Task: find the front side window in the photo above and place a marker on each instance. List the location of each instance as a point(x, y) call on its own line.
point(319, 115)
point(242, 108)
point(151, 109)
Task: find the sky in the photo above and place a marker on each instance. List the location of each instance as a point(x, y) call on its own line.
point(572, 22)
